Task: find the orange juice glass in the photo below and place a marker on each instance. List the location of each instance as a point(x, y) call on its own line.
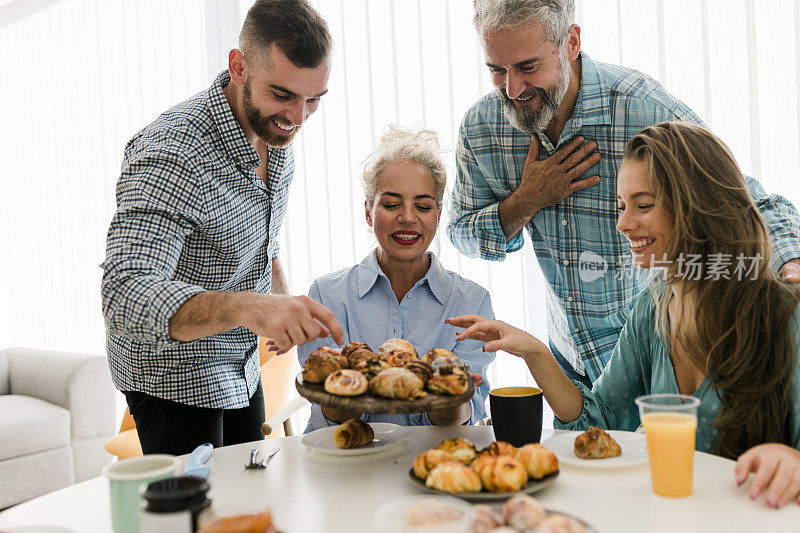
point(670, 423)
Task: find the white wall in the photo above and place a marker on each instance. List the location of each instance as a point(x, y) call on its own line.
point(80, 77)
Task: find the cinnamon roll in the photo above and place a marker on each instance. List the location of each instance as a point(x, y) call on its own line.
point(346, 383)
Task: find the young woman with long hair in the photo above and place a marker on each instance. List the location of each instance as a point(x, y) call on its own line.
point(719, 325)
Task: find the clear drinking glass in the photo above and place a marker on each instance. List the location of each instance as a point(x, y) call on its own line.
point(670, 423)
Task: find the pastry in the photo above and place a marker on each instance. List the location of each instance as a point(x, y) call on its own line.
point(399, 358)
point(485, 519)
point(347, 350)
point(500, 473)
point(422, 369)
point(371, 367)
point(321, 363)
point(594, 443)
point(559, 523)
point(523, 512)
point(537, 460)
point(430, 459)
point(454, 477)
point(461, 449)
point(448, 365)
point(396, 344)
point(397, 383)
point(359, 354)
point(498, 448)
point(436, 353)
point(346, 382)
point(451, 384)
point(353, 433)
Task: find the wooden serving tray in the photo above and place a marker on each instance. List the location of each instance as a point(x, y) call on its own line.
point(368, 403)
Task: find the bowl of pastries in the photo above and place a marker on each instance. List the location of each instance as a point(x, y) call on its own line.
point(523, 513)
point(494, 472)
point(393, 379)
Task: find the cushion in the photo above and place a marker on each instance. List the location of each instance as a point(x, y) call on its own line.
point(30, 425)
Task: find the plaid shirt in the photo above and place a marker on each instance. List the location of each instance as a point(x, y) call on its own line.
point(591, 287)
point(192, 215)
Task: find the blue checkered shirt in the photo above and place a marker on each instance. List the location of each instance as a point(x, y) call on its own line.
point(192, 216)
point(585, 260)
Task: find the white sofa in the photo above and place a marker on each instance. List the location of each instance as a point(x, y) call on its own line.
point(56, 413)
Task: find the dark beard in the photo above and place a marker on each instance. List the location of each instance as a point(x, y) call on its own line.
point(529, 121)
point(260, 124)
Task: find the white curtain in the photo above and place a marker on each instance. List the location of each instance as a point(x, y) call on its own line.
point(80, 77)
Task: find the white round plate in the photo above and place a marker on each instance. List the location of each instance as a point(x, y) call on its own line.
point(633, 445)
point(386, 436)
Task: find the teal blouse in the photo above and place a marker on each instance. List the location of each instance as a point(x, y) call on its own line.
point(640, 364)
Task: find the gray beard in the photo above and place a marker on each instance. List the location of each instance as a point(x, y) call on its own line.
point(529, 121)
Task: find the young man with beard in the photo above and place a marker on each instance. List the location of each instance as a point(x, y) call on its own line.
point(192, 276)
point(542, 152)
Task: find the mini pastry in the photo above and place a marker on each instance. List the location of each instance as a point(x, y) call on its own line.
point(537, 460)
point(430, 459)
point(498, 448)
point(353, 433)
point(321, 363)
point(500, 473)
point(397, 383)
point(396, 344)
point(371, 367)
point(346, 383)
point(449, 384)
point(559, 523)
point(347, 350)
point(461, 449)
point(447, 365)
point(422, 369)
point(485, 519)
point(358, 355)
point(523, 512)
point(399, 358)
point(594, 443)
point(454, 477)
point(436, 353)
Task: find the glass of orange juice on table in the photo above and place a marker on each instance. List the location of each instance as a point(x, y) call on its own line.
point(670, 423)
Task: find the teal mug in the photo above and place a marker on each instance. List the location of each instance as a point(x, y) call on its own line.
point(124, 479)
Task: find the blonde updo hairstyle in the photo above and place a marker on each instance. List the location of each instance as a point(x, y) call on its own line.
point(401, 144)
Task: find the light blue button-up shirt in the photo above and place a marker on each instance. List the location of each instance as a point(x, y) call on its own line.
point(362, 299)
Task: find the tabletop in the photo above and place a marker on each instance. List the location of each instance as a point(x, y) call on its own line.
point(311, 492)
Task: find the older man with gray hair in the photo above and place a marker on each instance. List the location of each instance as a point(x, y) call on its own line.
point(542, 153)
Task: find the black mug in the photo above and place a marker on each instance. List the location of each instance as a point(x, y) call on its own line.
point(516, 414)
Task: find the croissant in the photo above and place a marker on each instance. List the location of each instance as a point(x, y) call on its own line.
point(422, 369)
point(498, 448)
point(371, 367)
point(397, 383)
point(430, 459)
point(399, 358)
point(485, 519)
point(321, 363)
point(448, 384)
point(358, 355)
point(523, 512)
point(454, 477)
point(354, 346)
point(396, 344)
point(353, 433)
point(461, 449)
point(537, 460)
point(594, 443)
point(346, 383)
point(500, 473)
point(559, 523)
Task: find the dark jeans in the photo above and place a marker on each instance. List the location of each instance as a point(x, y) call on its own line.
point(568, 370)
point(165, 426)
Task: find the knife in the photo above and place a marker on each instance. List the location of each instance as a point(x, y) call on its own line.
point(196, 463)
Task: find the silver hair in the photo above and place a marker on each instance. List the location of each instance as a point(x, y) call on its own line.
point(400, 144)
point(556, 16)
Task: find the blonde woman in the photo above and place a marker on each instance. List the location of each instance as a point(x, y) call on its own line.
point(400, 289)
point(729, 338)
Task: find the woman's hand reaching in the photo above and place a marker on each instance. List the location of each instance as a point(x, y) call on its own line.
point(776, 468)
point(497, 335)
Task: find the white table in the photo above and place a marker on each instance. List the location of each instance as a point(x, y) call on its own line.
point(308, 492)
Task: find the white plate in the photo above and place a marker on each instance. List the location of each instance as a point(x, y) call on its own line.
point(386, 436)
point(633, 445)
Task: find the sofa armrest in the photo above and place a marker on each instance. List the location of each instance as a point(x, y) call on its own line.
point(4, 386)
point(78, 382)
